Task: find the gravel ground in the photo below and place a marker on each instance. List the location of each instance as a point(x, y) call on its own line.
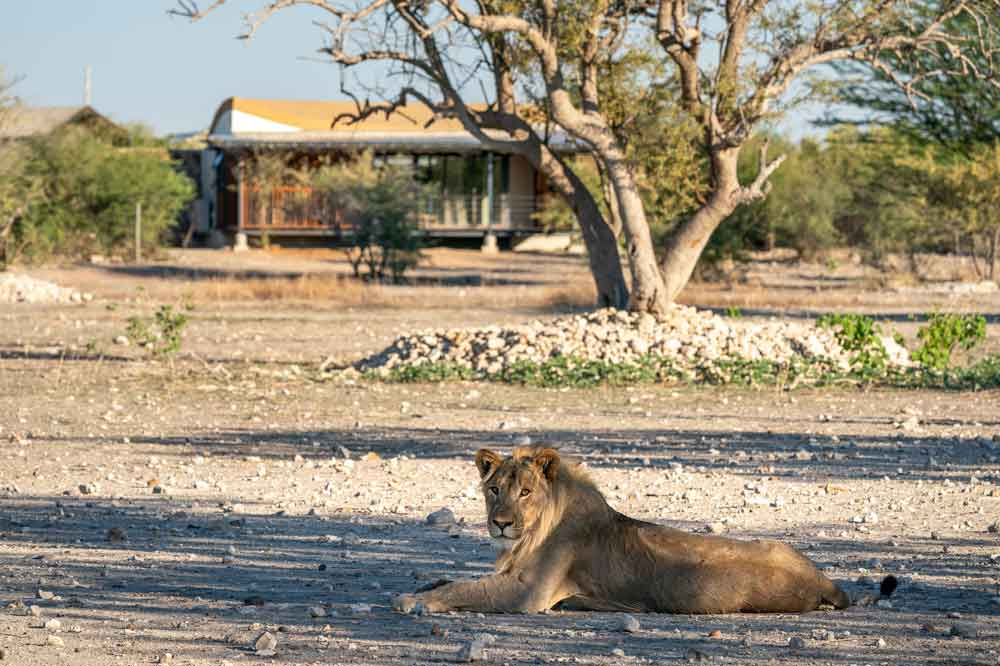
point(184, 509)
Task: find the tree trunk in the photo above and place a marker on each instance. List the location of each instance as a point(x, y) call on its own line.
point(974, 253)
point(5, 233)
point(614, 210)
point(995, 254)
point(648, 293)
point(602, 247)
point(687, 243)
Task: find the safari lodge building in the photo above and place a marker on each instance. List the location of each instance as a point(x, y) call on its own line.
point(475, 192)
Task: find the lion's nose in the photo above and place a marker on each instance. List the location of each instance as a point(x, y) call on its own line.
point(503, 524)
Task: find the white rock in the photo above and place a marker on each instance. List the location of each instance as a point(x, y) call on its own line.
point(265, 644)
point(441, 518)
point(472, 651)
point(629, 624)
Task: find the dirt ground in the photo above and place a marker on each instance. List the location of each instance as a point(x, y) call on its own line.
point(156, 508)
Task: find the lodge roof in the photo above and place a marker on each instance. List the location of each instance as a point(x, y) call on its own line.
point(25, 121)
point(246, 123)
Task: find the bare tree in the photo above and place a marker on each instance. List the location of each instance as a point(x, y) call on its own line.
point(568, 43)
point(735, 63)
point(765, 47)
point(418, 51)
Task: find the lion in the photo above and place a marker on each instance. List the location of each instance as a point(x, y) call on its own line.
point(561, 544)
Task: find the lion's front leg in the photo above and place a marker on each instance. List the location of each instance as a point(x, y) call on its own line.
point(499, 593)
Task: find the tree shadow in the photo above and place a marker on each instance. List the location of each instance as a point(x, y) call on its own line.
point(210, 578)
point(790, 455)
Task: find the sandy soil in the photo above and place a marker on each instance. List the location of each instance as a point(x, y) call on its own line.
point(181, 508)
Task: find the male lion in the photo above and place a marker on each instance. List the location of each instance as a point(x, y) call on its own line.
point(560, 542)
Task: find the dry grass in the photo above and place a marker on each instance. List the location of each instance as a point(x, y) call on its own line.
point(330, 290)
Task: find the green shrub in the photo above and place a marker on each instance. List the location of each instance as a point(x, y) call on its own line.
point(943, 333)
point(89, 191)
point(382, 202)
point(860, 336)
point(162, 336)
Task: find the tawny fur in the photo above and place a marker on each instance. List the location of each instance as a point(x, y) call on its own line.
point(567, 546)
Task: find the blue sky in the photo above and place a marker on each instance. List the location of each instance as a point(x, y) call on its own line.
point(164, 71)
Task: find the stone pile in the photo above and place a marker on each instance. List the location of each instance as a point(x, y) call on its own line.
point(690, 338)
point(18, 288)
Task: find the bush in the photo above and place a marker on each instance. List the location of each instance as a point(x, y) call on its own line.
point(163, 335)
point(382, 202)
point(860, 336)
point(89, 193)
point(945, 332)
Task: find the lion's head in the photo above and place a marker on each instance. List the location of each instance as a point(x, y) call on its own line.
point(518, 489)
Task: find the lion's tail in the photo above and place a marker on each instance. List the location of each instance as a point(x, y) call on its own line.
point(835, 595)
point(838, 598)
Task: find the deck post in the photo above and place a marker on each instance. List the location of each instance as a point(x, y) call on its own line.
point(240, 241)
point(490, 239)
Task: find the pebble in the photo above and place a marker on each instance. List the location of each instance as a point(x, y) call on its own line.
point(53, 625)
point(87, 488)
point(55, 640)
point(692, 655)
point(441, 518)
point(715, 634)
point(116, 535)
point(822, 635)
point(317, 611)
point(618, 652)
point(45, 594)
point(20, 288)
point(694, 340)
point(472, 651)
point(715, 528)
point(629, 624)
point(880, 643)
point(964, 630)
point(884, 604)
point(266, 644)
point(796, 642)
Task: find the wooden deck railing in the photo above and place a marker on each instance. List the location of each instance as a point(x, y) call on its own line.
point(299, 208)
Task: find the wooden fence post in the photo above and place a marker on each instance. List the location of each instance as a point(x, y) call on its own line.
point(138, 232)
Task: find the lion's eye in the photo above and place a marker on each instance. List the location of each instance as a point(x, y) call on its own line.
point(495, 490)
point(525, 492)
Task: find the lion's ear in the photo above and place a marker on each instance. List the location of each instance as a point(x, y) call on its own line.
point(547, 461)
point(487, 461)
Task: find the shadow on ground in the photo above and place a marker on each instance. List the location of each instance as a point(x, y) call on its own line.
point(205, 576)
point(793, 455)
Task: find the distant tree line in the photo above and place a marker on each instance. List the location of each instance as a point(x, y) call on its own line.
point(74, 194)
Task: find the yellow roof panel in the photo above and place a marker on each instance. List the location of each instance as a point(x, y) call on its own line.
point(319, 116)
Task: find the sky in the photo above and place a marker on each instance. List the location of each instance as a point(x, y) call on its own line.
point(167, 72)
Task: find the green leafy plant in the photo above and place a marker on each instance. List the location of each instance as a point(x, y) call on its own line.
point(87, 194)
point(943, 333)
point(162, 335)
point(381, 202)
point(734, 312)
point(861, 337)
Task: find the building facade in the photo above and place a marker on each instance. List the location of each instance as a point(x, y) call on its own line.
point(472, 191)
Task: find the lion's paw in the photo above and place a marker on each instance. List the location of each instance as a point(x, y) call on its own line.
point(407, 603)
